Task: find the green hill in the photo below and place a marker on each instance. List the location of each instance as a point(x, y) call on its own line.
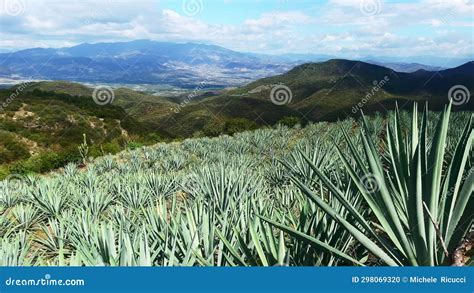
point(41, 130)
point(334, 89)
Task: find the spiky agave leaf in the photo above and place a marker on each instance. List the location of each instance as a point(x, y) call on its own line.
point(416, 177)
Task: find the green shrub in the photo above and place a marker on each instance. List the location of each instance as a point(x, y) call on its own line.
point(3, 172)
point(229, 126)
point(105, 149)
point(11, 149)
point(290, 121)
point(235, 125)
point(214, 128)
point(133, 145)
point(45, 161)
point(153, 137)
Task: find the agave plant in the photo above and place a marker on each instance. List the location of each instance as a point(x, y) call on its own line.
point(133, 195)
point(50, 197)
point(420, 196)
point(15, 251)
point(111, 248)
point(228, 201)
point(26, 216)
point(54, 243)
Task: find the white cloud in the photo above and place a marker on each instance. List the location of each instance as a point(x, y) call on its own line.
point(338, 27)
point(278, 18)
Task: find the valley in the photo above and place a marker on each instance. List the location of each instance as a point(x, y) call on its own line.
point(47, 119)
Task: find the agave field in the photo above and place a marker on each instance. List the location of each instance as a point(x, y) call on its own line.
point(382, 190)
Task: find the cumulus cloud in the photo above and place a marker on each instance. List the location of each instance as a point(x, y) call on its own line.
point(345, 27)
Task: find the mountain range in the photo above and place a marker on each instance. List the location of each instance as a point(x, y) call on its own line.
point(178, 64)
point(143, 61)
point(41, 123)
point(335, 88)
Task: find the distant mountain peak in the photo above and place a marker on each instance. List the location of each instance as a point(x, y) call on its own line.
point(178, 64)
point(467, 68)
point(338, 67)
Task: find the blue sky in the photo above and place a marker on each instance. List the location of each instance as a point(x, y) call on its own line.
point(346, 28)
